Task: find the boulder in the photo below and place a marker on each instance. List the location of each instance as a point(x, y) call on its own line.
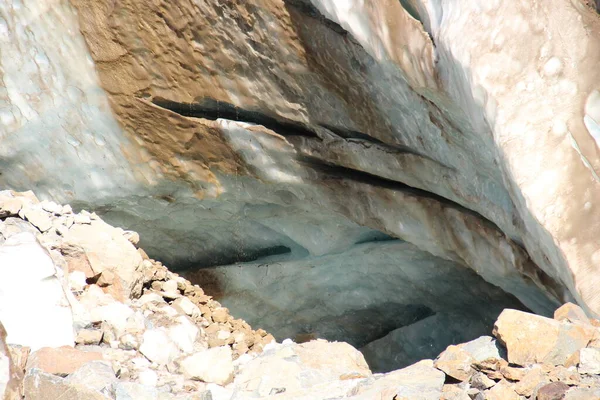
point(531, 338)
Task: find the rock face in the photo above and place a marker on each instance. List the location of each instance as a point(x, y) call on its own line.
point(285, 132)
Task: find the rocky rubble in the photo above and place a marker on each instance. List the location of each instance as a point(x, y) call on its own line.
point(89, 316)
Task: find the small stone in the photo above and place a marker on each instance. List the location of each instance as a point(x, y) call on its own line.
point(532, 379)
point(61, 360)
point(186, 306)
point(454, 392)
point(88, 337)
point(589, 361)
point(262, 332)
point(512, 374)
point(169, 290)
point(220, 315)
point(66, 209)
point(455, 362)
point(212, 366)
point(133, 237)
point(501, 391)
point(107, 277)
point(149, 297)
point(128, 342)
point(552, 391)
point(480, 381)
point(157, 347)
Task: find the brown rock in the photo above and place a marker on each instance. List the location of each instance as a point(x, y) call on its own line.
point(454, 392)
point(512, 374)
point(570, 312)
point(61, 360)
point(77, 259)
point(89, 336)
point(573, 360)
point(220, 315)
point(206, 312)
point(501, 391)
point(456, 362)
point(531, 338)
point(261, 332)
point(530, 381)
point(107, 277)
point(490, 364)
point(480, 381)
point(552, 391)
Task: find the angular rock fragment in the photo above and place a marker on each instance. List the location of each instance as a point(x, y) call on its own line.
point(501, 391)
point(570, 312)
point(456, 362)
point(589, 361)
point(532, 339)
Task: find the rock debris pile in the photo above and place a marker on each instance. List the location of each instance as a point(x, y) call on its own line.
point(85, 314)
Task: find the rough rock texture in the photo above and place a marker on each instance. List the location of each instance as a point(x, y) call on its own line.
point(168, 340)
point(230, 131)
